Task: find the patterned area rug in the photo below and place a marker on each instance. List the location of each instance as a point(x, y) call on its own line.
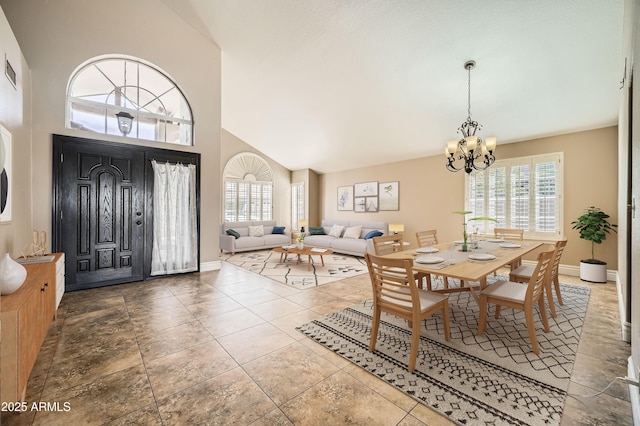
point(490, 379)
point(267, 263)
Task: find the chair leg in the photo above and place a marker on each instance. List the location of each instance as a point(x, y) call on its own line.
point(543, 315)
point(415, 344)
point(531, 327)
point(374, 328)
point(482, 321)
point(445, 318)
point(556, 284)
point(498, 307)
point(552, 307)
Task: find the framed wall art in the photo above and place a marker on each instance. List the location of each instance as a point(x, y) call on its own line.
point(366, 189)
point(389, 196)
point(345, 198)
point(5, 174)
point(365, 204)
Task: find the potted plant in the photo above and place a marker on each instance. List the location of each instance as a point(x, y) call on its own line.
point(464, 214)
point(593, 226)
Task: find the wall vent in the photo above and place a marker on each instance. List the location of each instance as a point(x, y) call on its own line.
point(9, 71)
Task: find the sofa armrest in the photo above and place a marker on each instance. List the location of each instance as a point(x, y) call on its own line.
point(227, 243)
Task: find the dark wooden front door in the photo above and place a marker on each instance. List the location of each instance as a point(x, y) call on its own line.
point(101, 207)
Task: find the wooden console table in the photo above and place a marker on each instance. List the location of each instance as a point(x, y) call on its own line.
point(26, 316)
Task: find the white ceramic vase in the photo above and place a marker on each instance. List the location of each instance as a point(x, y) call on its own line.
point(300, 245)
point(12, 275)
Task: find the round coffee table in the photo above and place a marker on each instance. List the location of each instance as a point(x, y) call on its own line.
point(305, 251)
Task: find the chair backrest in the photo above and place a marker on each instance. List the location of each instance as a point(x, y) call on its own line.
point(427, 237)
point(540, 275)
point(387, 244)
point(509, 233)
point(560, 245)
point(394, 286)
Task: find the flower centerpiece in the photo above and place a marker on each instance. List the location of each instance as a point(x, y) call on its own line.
point(300, 239)
point(464, 214)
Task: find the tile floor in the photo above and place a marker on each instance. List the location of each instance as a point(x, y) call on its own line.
point(221, 348)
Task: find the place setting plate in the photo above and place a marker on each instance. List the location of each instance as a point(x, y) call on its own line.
point(427, 250)
point(429, 259)
point(510, 245)
point(482, 256)
point(495, 240)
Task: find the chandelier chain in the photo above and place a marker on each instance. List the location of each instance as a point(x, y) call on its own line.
point(469, 96)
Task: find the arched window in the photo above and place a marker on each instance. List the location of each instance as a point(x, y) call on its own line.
point(248, 188)
point(147, 99)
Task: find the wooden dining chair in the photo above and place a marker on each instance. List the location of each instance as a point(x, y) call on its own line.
point(398, 294)
point(388, 244)
point(522, 274)
point(426, 238)
point(508, 234)
point(517, 296)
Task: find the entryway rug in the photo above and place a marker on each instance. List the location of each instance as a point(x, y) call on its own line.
point(267, 263)
point(490, 379)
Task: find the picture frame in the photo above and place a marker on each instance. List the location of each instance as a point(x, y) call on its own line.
point(6, 183)
point(365, 204)
point(389, 199)
point(345, 198)
point(365, 189)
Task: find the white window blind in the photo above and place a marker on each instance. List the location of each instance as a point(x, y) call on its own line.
point(297, 204)
point(522, 193)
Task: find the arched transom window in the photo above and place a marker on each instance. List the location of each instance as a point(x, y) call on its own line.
point(105, 89)
point(248, 188)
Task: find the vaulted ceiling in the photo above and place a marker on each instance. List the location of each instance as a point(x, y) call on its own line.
point(338, 84)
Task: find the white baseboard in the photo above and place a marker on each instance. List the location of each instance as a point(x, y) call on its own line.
point(634, 392)
point(574, 271)
point(213, 265)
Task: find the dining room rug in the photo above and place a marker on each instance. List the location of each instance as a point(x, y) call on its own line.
point(490, 379)
point(267, 263)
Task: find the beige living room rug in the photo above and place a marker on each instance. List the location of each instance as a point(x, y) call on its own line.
point(300, 275)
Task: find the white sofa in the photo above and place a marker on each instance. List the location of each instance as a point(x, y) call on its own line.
point(353, 246)
point(245, 242)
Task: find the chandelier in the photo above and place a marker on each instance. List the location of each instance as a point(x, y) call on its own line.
point(475, 153)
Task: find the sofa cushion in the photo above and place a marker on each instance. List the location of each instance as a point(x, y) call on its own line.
point(278, 230)
point(336, 230)
point(373, 234)
point(316, 230)
point(352, 232)
point(249, 242)
point(349, 244)
point(256, 231)
point(276, 239)
point(233, 233)
point(319, 240)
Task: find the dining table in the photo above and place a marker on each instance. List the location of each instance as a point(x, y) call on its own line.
point(471, 266)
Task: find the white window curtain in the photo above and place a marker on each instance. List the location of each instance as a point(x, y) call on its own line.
point(175, 234)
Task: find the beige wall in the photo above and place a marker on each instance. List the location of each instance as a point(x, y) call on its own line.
point(429, 193)
point(15, 116)
point(232, 145)
point(56, 37)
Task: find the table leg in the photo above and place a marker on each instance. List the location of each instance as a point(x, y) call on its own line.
point(309, 263)
point(322, 260)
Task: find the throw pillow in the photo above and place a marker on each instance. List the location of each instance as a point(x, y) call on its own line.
point(373, 234)
point(233, 233)
point(353, 232)
point(316, 230)
point(336, 231)
point(278, 230)
point(256, 231)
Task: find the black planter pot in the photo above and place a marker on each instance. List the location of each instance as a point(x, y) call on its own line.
point(593, 271)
